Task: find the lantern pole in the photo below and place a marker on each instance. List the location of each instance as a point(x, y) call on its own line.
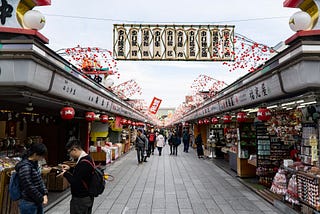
point(87, 143)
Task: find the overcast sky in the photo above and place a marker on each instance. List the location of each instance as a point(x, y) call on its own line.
point(90, 24)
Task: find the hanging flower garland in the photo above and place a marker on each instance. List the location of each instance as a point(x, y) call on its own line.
point(127, 89)
point(94, 62)
point(248, 54)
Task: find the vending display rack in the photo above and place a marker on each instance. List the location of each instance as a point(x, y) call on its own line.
point(308, 190)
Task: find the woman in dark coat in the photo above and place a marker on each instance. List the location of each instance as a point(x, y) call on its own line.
point(198, 142)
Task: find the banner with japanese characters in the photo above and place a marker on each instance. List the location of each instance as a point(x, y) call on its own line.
point(154, 106)
point(173, 42)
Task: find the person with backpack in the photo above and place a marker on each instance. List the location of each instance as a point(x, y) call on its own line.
point(33, 192)
point(151, 141)
point(176, 141)
point(141, 145)
point(79, 178)
point(185, 139)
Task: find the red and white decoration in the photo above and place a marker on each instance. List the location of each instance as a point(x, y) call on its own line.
point(67, 113)
point(200, 122)
point(90, 116)
point(214, 120)
point(154, 106)
point(127, 89)
point(104, 118)
point(227, 118)
point(264, 114)
point(248, 54)
point(242, 117)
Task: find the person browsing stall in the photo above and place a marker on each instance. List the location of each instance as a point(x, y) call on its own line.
point(79, 177)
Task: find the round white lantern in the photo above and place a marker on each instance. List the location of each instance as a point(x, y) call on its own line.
point(33, 19)
point(300, 21)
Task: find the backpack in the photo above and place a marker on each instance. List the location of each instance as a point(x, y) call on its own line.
point(151, 137)
point(140, 142)
point(14, 187)
point(97, 182)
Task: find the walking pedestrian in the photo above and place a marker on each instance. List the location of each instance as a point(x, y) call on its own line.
point(185, 139)
point(151, 141)
point(141, 146)
point(176, 143)
point(79, 177)
point(198, 142)
point(160, 142)
point(170, 141)
point(34, 193)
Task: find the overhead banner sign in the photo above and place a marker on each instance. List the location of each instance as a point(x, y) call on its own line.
point(173, 42)
point(154, 106)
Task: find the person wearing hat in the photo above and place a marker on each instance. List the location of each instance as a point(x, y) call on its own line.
point(141, 145)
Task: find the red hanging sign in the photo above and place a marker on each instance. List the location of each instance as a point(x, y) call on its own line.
point(67, 113)
point(90, 116)
point(214, 120)
point(104, 118)
point(154, 106)
point(264, 114)
point(227, 118)
point(241, 117)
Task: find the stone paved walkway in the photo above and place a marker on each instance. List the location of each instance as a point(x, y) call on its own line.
point(172, 184)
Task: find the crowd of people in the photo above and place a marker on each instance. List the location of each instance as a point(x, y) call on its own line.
point(147, 141)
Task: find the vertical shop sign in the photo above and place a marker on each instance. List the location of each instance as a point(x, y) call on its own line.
point(157, 54)
point(133, 43)
point(145, 43)
point(226, 44)
point(203, 44)
point(169, 43)
point(215, 44)
point(314, 148)
point(180, 39)
point(121, 44)
point(191, 45)
point(154, 106)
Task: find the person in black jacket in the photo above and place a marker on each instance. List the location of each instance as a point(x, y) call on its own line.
point(79, 177)
point(34, 193)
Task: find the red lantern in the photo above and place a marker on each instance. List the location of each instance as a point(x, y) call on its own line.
point(134, 123)
point(67, 113)
point(104, 118)
point(242, 117)
point(200, 122)
point(214, 120)
point(129, 122)
point(227, 118)
point(264, 114)
point(90, 116)
point(123, 121)
point(206, 121)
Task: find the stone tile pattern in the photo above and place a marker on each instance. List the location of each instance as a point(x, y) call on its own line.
point(172, 185)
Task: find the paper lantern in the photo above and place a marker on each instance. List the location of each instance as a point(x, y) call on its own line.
point(33, 19)
point(242, 117)
point(264, 114)
point(200, 122)
point(104, 118)
point(129, 122)
point(123, 121)
point(214, 120)
point(67, 113)
point(300, 21)
point(134, 123)
point(90, 116)
point(227, 118)
point(206, 121)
